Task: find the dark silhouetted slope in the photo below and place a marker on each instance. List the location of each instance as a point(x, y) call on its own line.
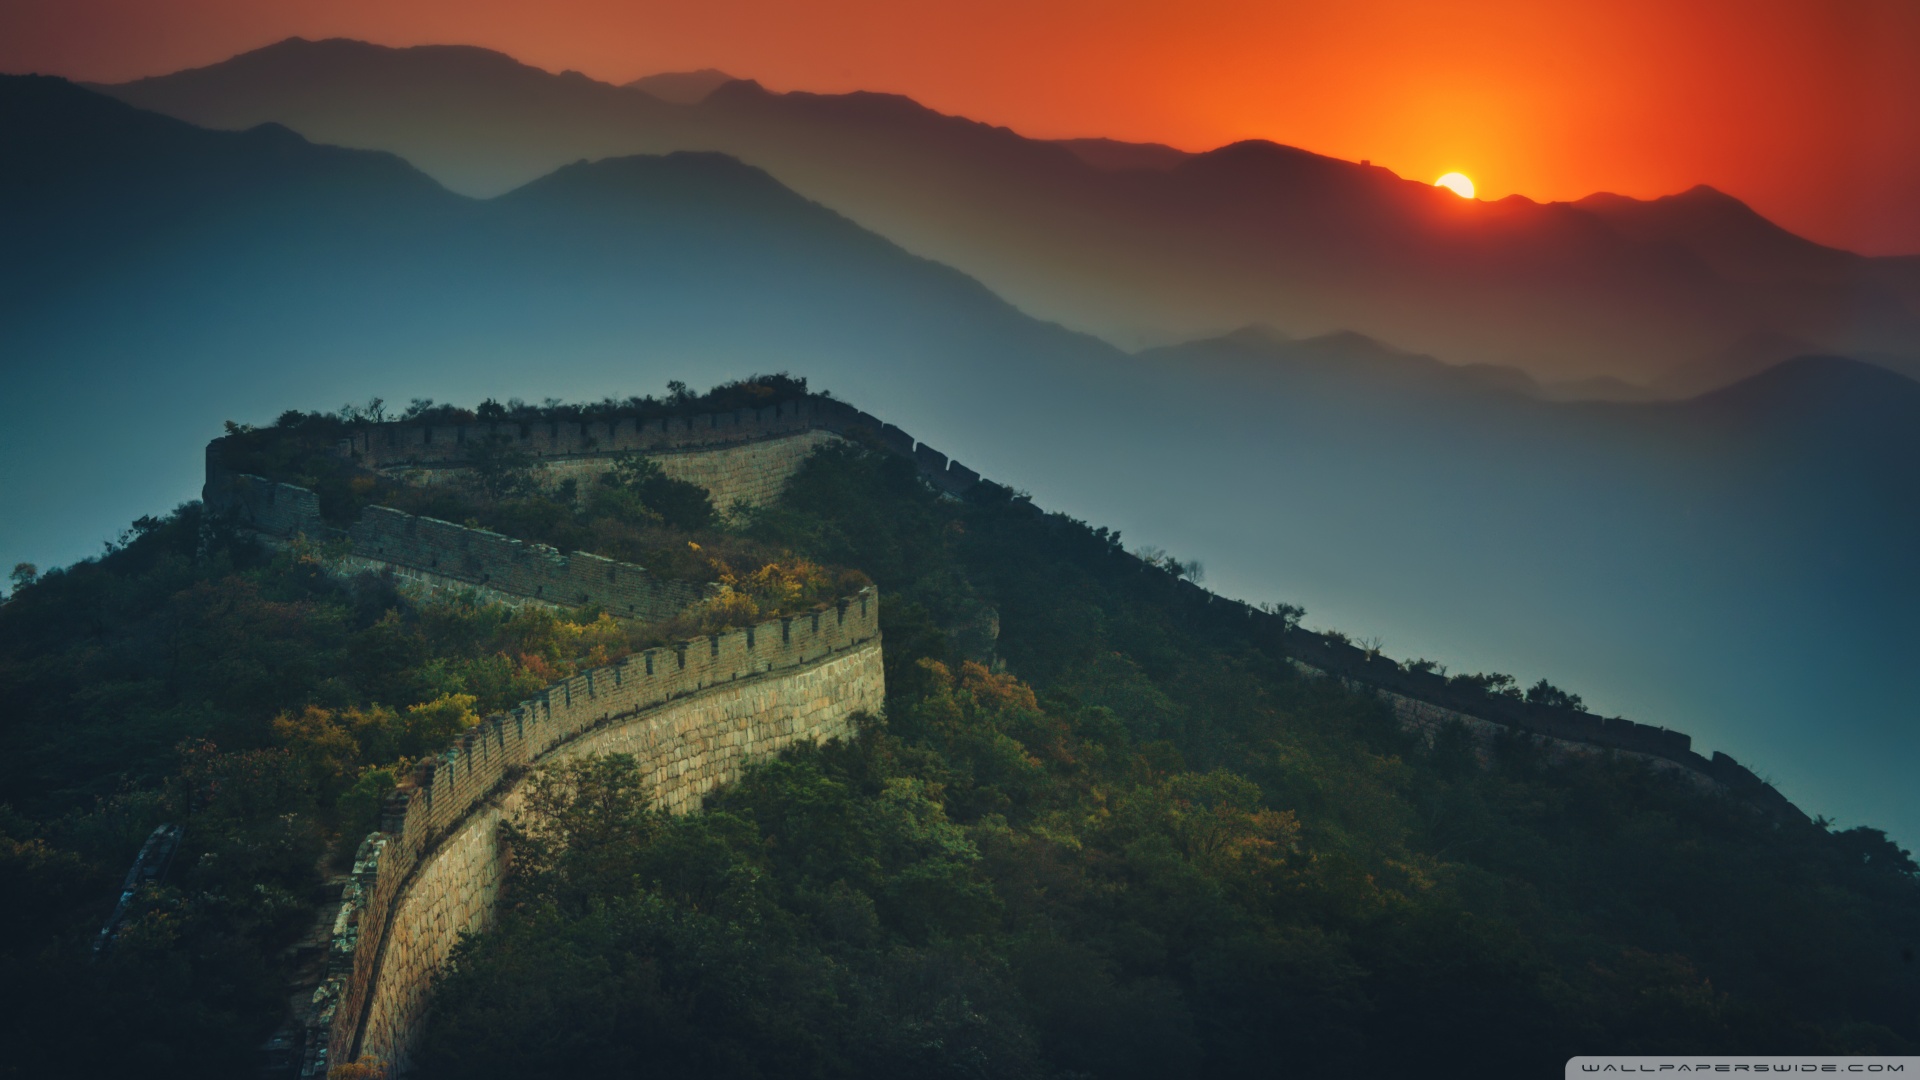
point(86, 177)
point(1116, 156)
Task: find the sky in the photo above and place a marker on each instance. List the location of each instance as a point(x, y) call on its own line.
point(1807, 109)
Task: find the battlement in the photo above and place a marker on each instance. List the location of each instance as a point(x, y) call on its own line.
point(399, 445)
point(1333, 656)
point(439, 556)
point(692, 714)
point(379, 446)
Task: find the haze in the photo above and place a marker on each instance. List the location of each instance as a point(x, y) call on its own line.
point(1806, 109)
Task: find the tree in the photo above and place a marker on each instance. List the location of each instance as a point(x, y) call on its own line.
point(1290, 614)
point(676, 502)
point(1551, 696)
point(1489, 683)
point(502, 469)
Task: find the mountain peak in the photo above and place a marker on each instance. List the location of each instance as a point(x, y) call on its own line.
point(684, 177)
point(1721, 230)
point(340, 59)
point(682, 87)
point(1837, 394)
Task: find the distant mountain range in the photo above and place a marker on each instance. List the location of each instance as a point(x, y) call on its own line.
point(1138, 244)
point(1737, 565)
point(682, 87)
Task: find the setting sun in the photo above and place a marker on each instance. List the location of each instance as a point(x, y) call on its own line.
point(1456, 183)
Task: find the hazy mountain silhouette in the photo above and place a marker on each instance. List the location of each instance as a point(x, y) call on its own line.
point(1139, 244)
point(1116, 156)
point(1737, 565)
point(155, 267)
point(682, 87)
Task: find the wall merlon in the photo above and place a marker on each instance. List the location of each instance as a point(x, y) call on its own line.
point(455, 796)
point(931, 461)
point(959, 477)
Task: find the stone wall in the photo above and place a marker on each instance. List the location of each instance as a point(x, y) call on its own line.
point(429, 555)
point(420, 451)
point(1429, 719)
point(393, 444)
point(751, 473)
point(386, 446)
point(693, 715)
point(1421, 699)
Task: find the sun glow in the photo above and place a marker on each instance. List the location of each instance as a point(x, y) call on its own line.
point(1456, 183)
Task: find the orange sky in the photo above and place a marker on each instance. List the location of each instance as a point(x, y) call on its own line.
point(1808, 109)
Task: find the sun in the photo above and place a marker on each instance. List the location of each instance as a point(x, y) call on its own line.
point(1456, 183)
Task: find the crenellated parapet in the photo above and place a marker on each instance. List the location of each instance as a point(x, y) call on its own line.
point(427, 555)
point(386, 445)
point(419, 451)
point(402, 445)
point(693, 715)
point(1423, 700)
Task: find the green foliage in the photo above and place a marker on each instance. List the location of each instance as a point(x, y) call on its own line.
point(1096, 834)
point(817, 940)
point(1157, 852)
point(500, 468)
point(637, 489)
point(1551, 696)
point(188, 677)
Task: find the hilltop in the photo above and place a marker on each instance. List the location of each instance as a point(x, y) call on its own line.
point(1105, 826)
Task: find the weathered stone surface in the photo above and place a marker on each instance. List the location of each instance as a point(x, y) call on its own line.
point(692, 715)
point(742, 474)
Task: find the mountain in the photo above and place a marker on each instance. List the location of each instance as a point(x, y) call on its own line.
point(159, 270)
point(1140, 245)
point(1735, 565)
point(682, 87)
point(1113, 155)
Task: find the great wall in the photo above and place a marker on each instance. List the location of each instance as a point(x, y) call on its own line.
point(693, 715)
point(696, 713)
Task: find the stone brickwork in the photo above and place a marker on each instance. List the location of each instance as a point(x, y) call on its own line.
point(751, 473)
point(424, 452)
point(400, 444)
point(693, 715)
point(432, 556)
point(534, 571)
point(1429, 719)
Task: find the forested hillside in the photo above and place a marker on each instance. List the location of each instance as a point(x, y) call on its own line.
point(1148, 847)
point(1092, 835)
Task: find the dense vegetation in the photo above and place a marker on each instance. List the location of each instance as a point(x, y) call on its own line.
point(1093, 835)
point(1155, 852)
point(189, 677)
